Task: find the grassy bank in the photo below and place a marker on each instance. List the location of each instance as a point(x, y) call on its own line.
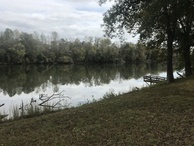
point(159, 115)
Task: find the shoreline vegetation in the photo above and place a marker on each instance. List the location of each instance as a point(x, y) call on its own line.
point(23, 48)
point(157, 115)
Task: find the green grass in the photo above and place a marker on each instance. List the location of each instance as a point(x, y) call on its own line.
point(28, 111)
point(159, 115)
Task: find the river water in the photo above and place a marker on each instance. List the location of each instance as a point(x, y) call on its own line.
point(77, 84)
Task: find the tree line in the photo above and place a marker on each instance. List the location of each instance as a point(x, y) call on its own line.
point(23, 48)
point(168, 23)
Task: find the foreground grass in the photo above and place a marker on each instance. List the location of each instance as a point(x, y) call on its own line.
point(159, 115)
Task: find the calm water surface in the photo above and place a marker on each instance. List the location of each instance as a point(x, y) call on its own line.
point(82, 83)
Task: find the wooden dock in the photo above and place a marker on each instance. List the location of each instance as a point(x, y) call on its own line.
point(153, 79)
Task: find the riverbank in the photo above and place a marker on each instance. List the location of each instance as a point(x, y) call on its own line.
point(159, 115)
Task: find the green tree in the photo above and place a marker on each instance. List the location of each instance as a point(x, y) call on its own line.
point(149, 18)
point(31, 47)
point(186, 31)
point(16, 53)
point(54, 43)
point(77, 51)
point(126, 52)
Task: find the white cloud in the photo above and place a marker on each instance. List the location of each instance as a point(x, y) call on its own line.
point(69, 18)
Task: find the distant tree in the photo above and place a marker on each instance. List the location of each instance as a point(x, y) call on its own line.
point(22, 47)
point(16, 53)
point(7, 38)
point(77, 51)
point(43, 38)
point(16, 34)
point(31, 47)
point(54, 41)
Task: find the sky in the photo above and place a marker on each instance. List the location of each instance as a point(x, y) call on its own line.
point(69, 18)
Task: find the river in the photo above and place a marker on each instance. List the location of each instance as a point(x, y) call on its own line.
point(77, 83)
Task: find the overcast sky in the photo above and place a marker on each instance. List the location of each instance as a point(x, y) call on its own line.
point(69, 18)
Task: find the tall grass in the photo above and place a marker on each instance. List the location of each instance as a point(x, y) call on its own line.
point(109, 94)
point(30, 111)
point(15, 113)
point(3, 117)
point(35, 109)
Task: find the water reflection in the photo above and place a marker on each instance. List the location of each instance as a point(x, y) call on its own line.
point(19, 84)
point(17, 79)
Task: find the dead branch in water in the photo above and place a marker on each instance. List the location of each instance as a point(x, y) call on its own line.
point(2, 116)
point(2, 105)
point(45, 98)
point(180, 74)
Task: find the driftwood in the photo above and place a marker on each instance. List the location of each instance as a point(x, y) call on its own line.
point(2, 105)
point(45, 99)
point(180, 74)
point(2, 116)
point(32, 101)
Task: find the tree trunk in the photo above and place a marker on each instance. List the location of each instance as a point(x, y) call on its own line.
point(170, 77)
point(187, 60)
point(171, 21)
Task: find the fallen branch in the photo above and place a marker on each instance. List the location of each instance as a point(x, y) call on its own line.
point(45, 98)
point(180, 74)
point(2, 105)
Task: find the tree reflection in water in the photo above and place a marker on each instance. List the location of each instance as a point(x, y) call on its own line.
point(26, 79)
